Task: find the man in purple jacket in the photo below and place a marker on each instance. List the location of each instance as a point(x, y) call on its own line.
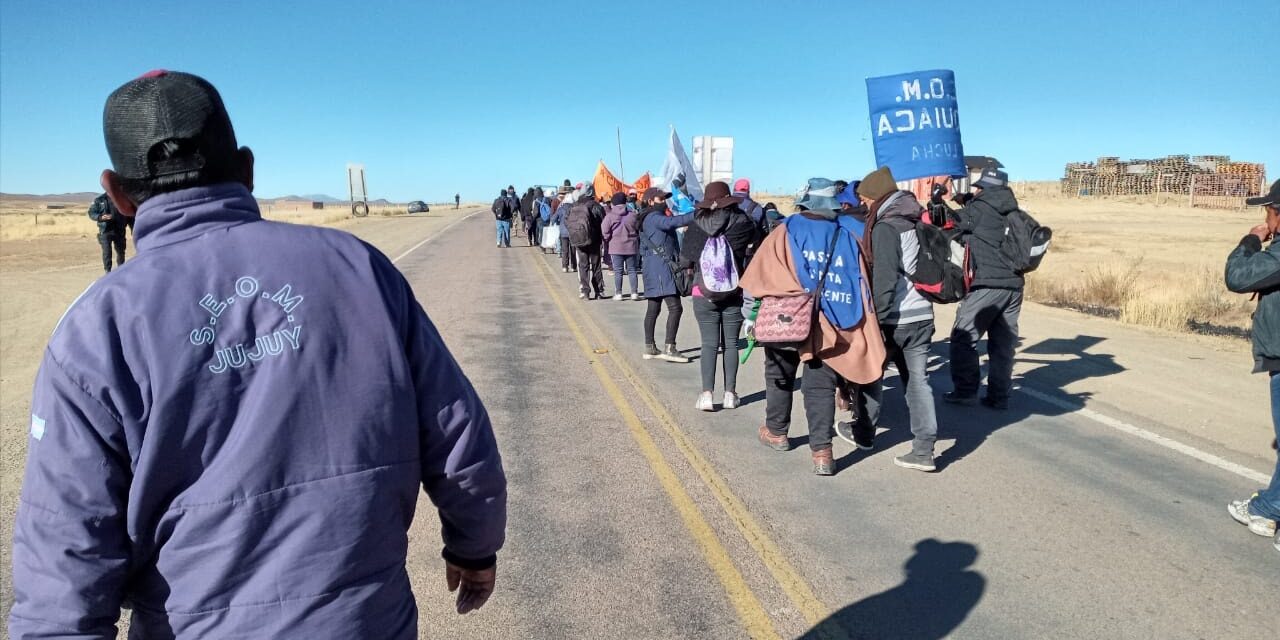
point(230, 431)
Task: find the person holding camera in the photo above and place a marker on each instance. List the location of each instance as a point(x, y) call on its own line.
point(1254, 269)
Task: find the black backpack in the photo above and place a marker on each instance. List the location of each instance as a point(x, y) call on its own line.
point(578, 221)
point(1025, 242)
point(943, 270)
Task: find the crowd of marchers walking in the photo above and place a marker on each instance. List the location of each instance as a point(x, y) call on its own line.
point(838, 273)
point(832, 293)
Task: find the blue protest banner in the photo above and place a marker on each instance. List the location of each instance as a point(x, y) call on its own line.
point(915, 126)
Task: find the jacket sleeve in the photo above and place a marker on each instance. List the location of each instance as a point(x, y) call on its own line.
point(461, 468)
point(96, 210)
point(606, 227)
point(667, 223)
point(1250, 269)
point(886, 250)
point(966, 218)
point(71, 548)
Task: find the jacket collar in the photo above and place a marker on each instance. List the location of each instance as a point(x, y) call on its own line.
point(174, 217)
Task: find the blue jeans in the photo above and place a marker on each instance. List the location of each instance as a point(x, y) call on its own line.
point(618, 262)
point(504, 233)
point(1267, 502)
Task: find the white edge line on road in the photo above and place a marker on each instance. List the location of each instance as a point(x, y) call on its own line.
point(434, 236)
point(1168, 443)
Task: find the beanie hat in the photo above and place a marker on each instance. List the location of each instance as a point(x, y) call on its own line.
point(742, 185)
point(618, 198)
point(849, 195)
point(878, 184)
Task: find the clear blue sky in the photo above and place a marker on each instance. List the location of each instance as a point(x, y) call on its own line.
point(443, 96)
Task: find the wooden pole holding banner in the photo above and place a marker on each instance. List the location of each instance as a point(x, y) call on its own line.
point(622, 172)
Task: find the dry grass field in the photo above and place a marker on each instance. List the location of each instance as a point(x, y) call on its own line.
point(1145, 262)
point(30, 219)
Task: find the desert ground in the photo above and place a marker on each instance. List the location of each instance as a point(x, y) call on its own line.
point(1065, 509)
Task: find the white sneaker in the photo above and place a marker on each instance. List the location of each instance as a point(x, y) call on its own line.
point(731, 400)
point(582, 296)
point(1239, 509)
point(705, 403)
point(617, 296)
point(635, 297)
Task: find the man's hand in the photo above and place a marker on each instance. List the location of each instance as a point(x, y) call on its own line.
point(476, 586)
point(105, 216)
point(1262, 231)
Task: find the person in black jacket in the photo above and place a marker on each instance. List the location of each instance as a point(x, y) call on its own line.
point(1253, 269)
point(590, 277)
point(995, 297)
point(111, 229)
point(719, 315)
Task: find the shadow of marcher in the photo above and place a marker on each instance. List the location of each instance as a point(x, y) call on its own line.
point(970, 427)
point(935, 599)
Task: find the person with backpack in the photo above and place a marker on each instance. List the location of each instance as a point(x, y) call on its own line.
point(664, 280)
point(811, 277)
point(1253, 269)
point(541, 217)
point(905, 315)
point(568, 255)
point(583, 222)
point(715, 245)
point(994, 301)
point(502, 214)
point(621, 231)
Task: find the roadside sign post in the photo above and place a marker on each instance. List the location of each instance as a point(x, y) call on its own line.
point(356, 188)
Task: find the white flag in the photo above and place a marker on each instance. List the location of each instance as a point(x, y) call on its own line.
point(678, 165)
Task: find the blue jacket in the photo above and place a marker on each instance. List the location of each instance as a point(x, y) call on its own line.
point(559, 215)
point(659, 230)
point(231, 431)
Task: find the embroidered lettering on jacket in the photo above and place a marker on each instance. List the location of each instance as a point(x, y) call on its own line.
point(245, 352)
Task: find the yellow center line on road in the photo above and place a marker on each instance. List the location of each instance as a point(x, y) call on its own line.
point(787, 576)
point(748, 607)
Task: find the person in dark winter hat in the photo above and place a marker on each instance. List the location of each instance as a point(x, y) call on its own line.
point(621, 232)
point(905, 316)
point(177, 461)
point(1253, 269)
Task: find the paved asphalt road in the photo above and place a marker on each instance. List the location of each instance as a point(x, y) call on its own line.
point(634, 516)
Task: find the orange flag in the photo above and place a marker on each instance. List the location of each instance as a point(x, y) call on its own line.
point(606, 183)
point(643, 183)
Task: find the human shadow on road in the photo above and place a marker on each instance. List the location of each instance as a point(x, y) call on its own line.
point(1062, 361)
point(937, 596)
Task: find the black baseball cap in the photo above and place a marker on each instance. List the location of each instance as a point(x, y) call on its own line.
point(167, 107)
point(1271, 199)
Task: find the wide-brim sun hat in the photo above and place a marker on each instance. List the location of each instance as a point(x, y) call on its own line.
point(717, 196)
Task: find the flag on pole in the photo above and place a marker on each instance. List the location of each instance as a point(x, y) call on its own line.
point(606, 183)
point(677, 166)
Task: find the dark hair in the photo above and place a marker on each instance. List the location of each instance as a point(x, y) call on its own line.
point(140, 190)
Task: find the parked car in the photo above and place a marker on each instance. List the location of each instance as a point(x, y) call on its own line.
point(418, 206)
